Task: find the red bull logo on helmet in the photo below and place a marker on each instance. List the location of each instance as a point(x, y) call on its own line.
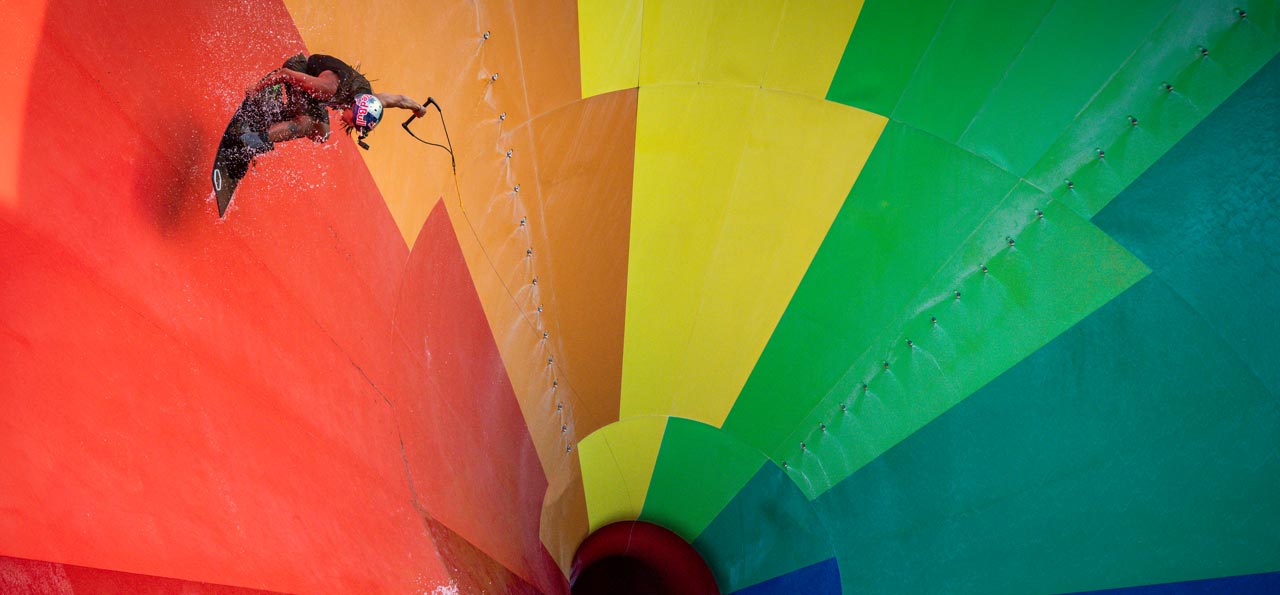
point(368, 112)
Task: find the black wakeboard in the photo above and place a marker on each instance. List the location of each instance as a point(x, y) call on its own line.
point(256, 113)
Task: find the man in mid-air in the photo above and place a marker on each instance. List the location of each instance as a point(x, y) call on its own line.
point(293, 102)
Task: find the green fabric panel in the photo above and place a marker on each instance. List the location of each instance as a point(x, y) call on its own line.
point(867, 284)
point(769, 529)
point(1205, 219)
point(1076, 49)
point(968, 57)
point(917, 200)
point(699, 470)
point(883, 51)
point(1134, 449)
point(1237, 49)
point(1140, 447)
point(1060, 269)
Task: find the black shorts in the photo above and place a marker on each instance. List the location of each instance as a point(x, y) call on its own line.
point(282, 103)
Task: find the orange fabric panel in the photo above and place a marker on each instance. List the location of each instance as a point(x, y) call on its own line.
point(549, 53)
point(564, 513)
point(575, 224)
point(585, 154)
point(23, 19)
point(466, 447)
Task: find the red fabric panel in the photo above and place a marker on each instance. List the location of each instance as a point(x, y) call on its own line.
point(32, 577)
point(224, 401)
point(468, 449)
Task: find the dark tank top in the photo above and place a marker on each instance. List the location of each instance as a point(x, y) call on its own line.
point(350, 81)
point(294, 102)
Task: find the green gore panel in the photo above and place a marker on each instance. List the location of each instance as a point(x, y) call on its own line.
point(915, 202)
point(883, 51)
point(966, 60)
point(1140, 447)
point(1059, 269)
point(888, 261)
point(1234, 49)
point(769, 529)
point(1218, 244)
point(699, 470)
point(1076, 49)
point(1134, 449)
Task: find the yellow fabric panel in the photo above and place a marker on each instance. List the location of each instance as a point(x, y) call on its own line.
point(609, 43)
point(723, 41)
point(617, 464)
point(791, 45)
point(735, 188)
point(810, 44)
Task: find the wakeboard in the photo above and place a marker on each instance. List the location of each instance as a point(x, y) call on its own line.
point(256, 112)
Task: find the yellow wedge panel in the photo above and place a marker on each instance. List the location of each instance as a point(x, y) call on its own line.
point(609, 42)
point(617, 463)
point(688, 143)
point(810, 44)
point(792, 45)
point(735, 188)
point(714, 41)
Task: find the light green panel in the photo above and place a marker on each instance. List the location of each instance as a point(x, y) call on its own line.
point(1172, 54)
point(700, 469)
point(883, 53)
point(1077, 47)
point(1058, 270)
point(916, 202)
point(966, 60)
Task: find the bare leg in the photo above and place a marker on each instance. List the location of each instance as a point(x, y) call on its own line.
point(256, 143)
point(300, 127)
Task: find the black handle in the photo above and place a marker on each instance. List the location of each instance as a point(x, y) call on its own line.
point(452, 160)
point(430, 101)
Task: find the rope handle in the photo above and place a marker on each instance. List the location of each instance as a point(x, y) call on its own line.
point(453, 162)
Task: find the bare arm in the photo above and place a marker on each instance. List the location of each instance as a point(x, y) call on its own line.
point(322, 87)
point(402, 102)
